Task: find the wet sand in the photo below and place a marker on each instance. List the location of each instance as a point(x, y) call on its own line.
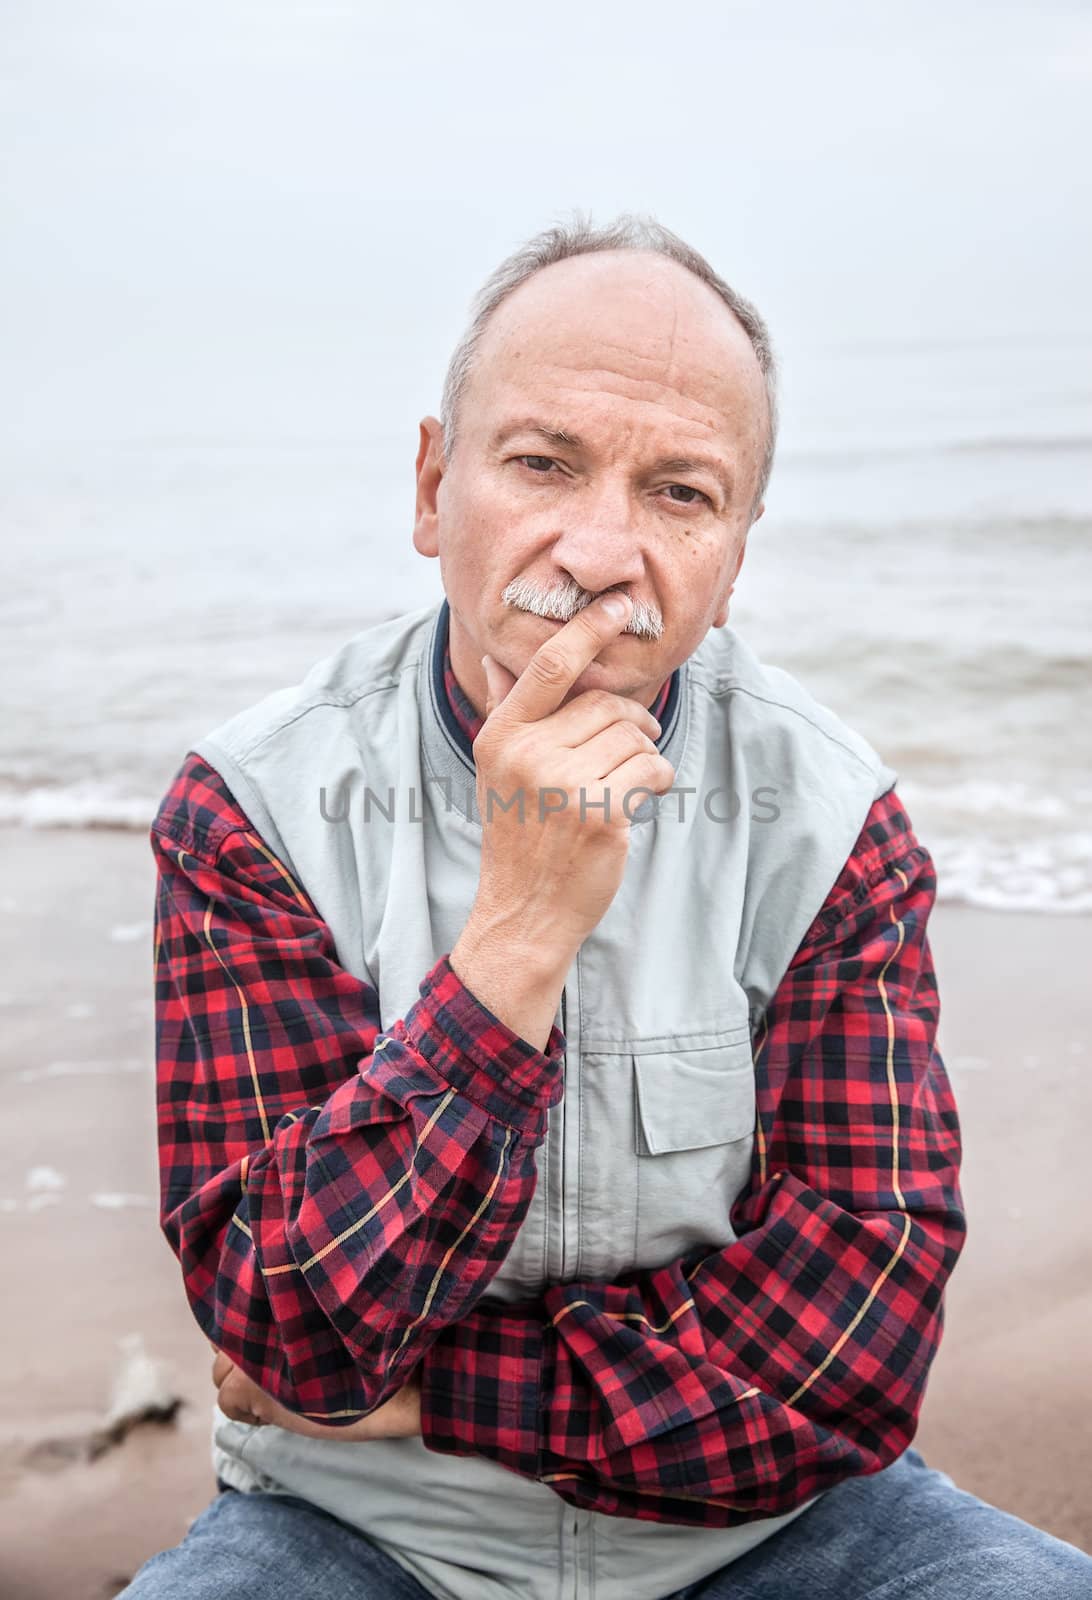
point(1008, 1410)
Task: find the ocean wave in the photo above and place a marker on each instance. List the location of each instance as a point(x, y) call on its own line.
point(1007, 846)
point(995, 670)
point(1051, 444)
point(977, 799)
point(80, 805)
point(886, 449)
point(1051, 875)
point(1000, 846)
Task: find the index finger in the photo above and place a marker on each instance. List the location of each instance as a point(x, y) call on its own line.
point(558, 662)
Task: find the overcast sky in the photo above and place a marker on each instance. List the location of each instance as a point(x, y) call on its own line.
point(266, 220)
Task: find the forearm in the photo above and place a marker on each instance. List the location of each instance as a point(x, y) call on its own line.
point(324, 1263)
point(732, 1387)
point(333, 1193)
point(518, 978)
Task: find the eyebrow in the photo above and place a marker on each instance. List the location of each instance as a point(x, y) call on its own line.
point(572, 441)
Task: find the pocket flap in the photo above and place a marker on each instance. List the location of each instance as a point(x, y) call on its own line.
point(689, 1099)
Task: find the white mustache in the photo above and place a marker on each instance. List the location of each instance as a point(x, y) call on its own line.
point(563, 601)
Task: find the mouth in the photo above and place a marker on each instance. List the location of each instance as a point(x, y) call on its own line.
point(557, 622)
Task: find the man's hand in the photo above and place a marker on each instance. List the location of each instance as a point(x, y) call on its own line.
point(561, 864)
point(241, 1399)
point(573, 774)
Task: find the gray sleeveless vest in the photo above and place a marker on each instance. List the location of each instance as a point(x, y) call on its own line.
point(652, 1141)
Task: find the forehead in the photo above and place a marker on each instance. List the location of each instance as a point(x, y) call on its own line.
point(626, 334)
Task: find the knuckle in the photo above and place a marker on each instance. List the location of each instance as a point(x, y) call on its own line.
point(602, 702)
point(548, 667)
point(658, 770)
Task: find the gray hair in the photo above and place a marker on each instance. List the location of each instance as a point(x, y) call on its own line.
point(629, 231)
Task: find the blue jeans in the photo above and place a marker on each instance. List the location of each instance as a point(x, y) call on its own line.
point(902, 1534)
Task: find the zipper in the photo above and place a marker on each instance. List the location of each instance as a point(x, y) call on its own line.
point(564, 1134)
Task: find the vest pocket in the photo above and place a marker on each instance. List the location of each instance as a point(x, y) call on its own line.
point(694, 1117)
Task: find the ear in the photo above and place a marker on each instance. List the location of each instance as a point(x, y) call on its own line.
point(430, 471)
point(721, 616)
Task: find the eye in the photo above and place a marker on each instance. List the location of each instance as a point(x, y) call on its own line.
point(688, 488)
point(541, 466)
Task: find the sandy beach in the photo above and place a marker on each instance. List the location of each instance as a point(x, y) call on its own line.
point(1007, 1412)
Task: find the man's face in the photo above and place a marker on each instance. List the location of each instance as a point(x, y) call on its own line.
point(645, 366)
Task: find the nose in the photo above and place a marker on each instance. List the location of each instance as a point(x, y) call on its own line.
point(599, 545)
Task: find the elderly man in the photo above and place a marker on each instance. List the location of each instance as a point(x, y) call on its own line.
point(553, 1135)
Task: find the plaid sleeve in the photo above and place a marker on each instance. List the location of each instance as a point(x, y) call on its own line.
point(729, 1386)
point(334, 1193)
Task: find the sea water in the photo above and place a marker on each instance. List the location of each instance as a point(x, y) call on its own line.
point(924, 567)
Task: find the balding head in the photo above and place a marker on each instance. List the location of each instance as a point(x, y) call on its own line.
point(581, 242)
point(639, 325)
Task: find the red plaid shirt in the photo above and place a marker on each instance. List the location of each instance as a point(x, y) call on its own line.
point(340, 1198)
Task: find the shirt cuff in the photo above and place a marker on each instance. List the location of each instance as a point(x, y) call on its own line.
point(480, 1056)
point(481, 1388)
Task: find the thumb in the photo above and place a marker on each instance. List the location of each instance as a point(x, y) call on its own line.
point(498, 681)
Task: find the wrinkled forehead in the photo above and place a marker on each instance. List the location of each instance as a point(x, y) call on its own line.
point(643, 337)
